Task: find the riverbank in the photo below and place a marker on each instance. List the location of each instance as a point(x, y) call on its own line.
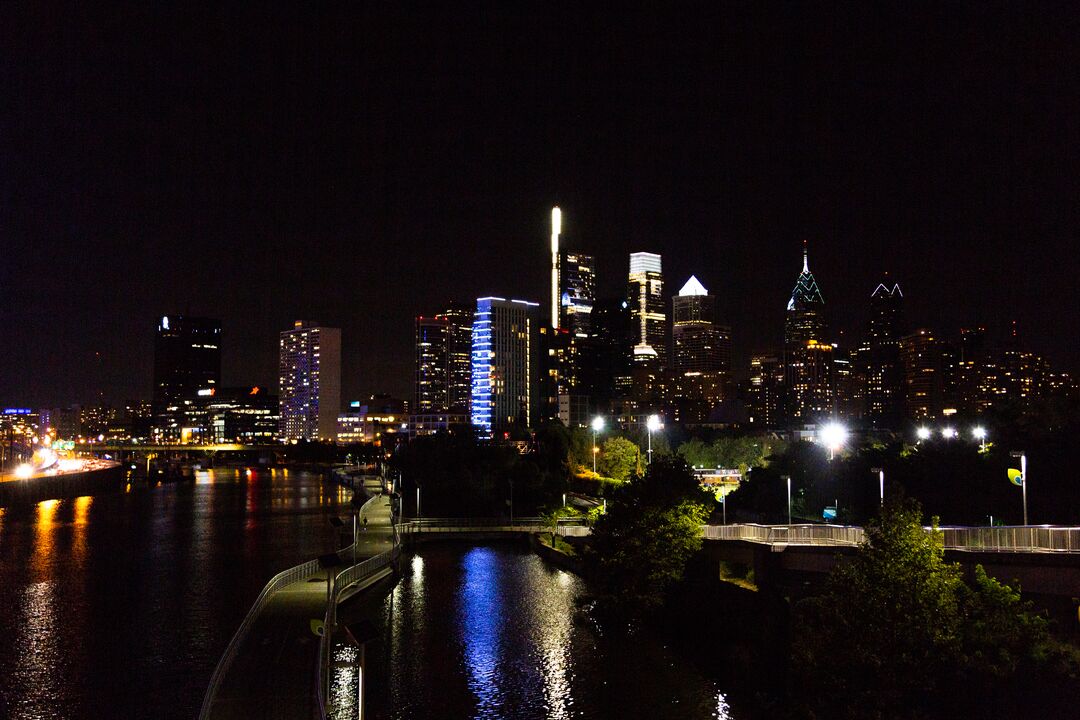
point(63, 486)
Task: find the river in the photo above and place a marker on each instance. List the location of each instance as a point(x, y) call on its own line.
point(119, 605)
point(493, 631)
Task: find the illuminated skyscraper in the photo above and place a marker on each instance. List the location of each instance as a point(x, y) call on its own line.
point(699, 342)
point(577, 284)
point(432, 364)
point(646, 298)
point(309, 376)
point(504, 363)
point(804, 350)
point(556, 270)
point(458, 356)
point(765, 394)
point(879, 366)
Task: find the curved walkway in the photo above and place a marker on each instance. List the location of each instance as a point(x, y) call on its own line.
point(272, 675)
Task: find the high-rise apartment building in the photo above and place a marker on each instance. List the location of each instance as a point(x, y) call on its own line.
point(459, 317)
point(432, 364)
point(187, 357)
point(804, 350)
point(309, 377)
point(606, 355)
point(926, 361)
point(504, 364)
point(647, 308)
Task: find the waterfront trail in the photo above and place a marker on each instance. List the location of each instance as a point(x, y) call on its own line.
point(273, 672)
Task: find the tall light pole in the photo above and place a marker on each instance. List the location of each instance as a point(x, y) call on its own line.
point(1023, 478)
point(833, 435)
point(652, 424)
point(980, 434)
point(788, 478)
point(881, 483)
point(597, 426)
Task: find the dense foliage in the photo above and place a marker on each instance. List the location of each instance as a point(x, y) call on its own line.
point(897, 631)
point(651, 529)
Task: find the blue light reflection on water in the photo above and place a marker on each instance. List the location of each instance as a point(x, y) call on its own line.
point(481, 626)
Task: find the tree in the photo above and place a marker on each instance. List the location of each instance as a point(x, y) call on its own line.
point(619, 459)
point(651, 528)
point(897, 630)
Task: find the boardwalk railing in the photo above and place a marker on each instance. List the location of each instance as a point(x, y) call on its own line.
point(286, 577)
point(786, 534)
point(349, 576)
point(1020, 538)
point(1025, 538)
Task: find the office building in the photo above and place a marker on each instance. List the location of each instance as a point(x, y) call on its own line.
point(309, 377)
point(505, 390)
point(699, 342)
point(577, 285)
point(878, 366)
point(804, 350)
point(926, 361)
point(187, 358)
point(605, 358)
point(645, 295)
point(765, 395)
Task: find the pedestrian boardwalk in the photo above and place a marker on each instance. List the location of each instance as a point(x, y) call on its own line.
point(272, 673)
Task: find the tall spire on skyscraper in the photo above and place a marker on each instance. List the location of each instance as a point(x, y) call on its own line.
point(806, 292)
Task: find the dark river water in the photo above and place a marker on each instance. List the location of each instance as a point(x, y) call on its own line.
point(118, 606)
point(493, 631)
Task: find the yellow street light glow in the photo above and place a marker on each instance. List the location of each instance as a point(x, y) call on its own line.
point(24, 471)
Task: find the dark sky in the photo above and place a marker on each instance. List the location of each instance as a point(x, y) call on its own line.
point(363, 166)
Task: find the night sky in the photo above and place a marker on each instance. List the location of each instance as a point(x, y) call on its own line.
point(364, 166)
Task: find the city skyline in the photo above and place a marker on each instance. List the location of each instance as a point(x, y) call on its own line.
point(724, 170)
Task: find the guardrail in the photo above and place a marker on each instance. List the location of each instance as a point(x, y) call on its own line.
point(789, 534)
point(345, 578)
point(286, 577)
point(1021, 538)
point(1017, 538)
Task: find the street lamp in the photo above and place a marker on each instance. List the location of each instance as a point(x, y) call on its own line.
point(923, 433)
point(881, 482)
point(652, 424)
point(788, 478)
point(980, 435)
point(597, 426)
point(948, 433)
point(1023, 478)
point(833, 435)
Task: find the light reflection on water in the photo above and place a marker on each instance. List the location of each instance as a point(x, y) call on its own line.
point(481, 625)
point(119, 605)
point(492, 631)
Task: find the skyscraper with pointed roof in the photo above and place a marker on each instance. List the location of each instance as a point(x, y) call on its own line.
point(808, 376)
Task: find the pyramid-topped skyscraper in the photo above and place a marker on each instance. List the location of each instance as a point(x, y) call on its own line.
point(808, 357)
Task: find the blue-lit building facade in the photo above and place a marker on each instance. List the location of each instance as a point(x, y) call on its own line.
point(505, 390)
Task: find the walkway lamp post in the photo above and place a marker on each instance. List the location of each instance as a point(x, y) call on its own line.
point(652, 424)
point(980, 434)
point(788, 479)
point(1023, 478)
point(922, 433)
point(881, 483)
point(597, 426)
point(833, 435)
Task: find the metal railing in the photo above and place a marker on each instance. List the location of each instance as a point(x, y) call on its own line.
point(347, 577)
point(1025, 538)
point(786, 534)
point(286, 577)
point(1018, 538)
